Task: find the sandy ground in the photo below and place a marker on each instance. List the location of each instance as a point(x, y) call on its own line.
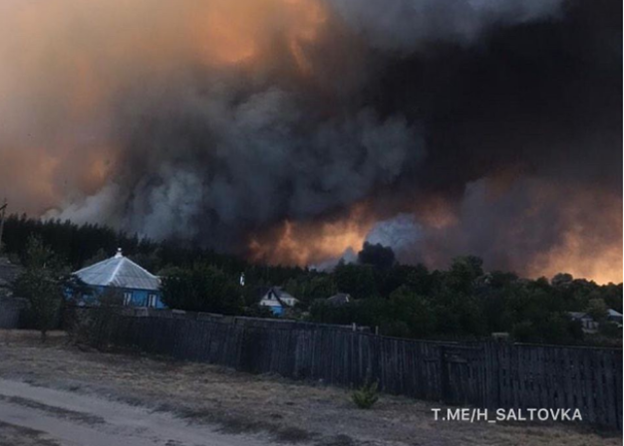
point(59, 394)
point(69, 418)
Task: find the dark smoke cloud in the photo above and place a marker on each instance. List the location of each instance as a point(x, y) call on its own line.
point(524, 139)
point(484, 105)
point(205, 164)
point(212, 158)
point(409, 25)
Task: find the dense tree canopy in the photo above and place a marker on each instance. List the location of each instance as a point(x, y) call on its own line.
point(461, 302)
point(202, 288)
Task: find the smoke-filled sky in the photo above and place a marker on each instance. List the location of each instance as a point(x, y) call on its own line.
point(290, 131)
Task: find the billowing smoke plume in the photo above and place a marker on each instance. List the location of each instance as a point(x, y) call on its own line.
point(409, 25)
point(399, 233)
point(291, 130)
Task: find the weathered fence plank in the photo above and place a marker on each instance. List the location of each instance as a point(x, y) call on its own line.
point(487, 374)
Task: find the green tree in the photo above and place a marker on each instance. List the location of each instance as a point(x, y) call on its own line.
point(41, 285)
point(100, 255)
point(414, 310)
point(96, 326)
point(562, 280)
point(202, 288)
point(357, 280)
point(311, 286)
point(463, 273)
point(597, 308)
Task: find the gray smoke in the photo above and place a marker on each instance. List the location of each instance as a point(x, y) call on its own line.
point(391, 104)
point(409, 25)
point(211, 156)
point(400, 233)
point(214, 166)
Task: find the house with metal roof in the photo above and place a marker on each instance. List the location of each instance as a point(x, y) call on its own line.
point(277, 300)
point(139, 287)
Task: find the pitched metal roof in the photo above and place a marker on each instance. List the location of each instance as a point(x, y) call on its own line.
point(281, 297)
point(119, 271)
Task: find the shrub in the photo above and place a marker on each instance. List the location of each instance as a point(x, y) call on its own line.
point(95, 326)
point(366, 396)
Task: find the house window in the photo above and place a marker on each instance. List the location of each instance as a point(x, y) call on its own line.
point(151, 300)
point(127, 298)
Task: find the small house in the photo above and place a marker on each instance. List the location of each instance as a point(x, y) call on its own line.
point(587, 322)
point(139, 287)
point(277, 300)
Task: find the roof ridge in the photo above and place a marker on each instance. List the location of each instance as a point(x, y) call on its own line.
point(116, 270)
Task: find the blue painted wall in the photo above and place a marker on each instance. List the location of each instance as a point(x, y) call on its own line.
point(139, 298)
point(277, 311)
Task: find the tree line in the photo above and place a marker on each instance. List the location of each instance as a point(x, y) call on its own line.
point(460, 302)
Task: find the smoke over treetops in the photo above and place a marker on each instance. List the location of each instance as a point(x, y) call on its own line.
point(294, 130)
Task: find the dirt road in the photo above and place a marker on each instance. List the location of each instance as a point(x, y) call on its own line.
point(59, 417)
point(58, 394)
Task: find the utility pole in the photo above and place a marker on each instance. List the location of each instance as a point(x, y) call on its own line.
point(2, 213)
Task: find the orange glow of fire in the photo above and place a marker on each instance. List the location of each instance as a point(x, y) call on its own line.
point(577, 256)
point(305, 244)
point(582, 253)
point(70, 59)
point(314, 16)
point(242, 32)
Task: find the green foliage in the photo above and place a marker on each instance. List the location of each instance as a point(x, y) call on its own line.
point(41, 285)
point(562, 280)
point(401, 300)
point(81, 245)
point(463, 273)
point(311, 286)
point(202, 288)
point(416, 312)
point(610, 329)
point(94, 326)
point(366, 396)
point(460, 304)
point(597, 308)
point(100, 255)
point(416, 278)
point(357, 280)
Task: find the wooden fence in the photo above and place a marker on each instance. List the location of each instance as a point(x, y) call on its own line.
point(486, 374)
